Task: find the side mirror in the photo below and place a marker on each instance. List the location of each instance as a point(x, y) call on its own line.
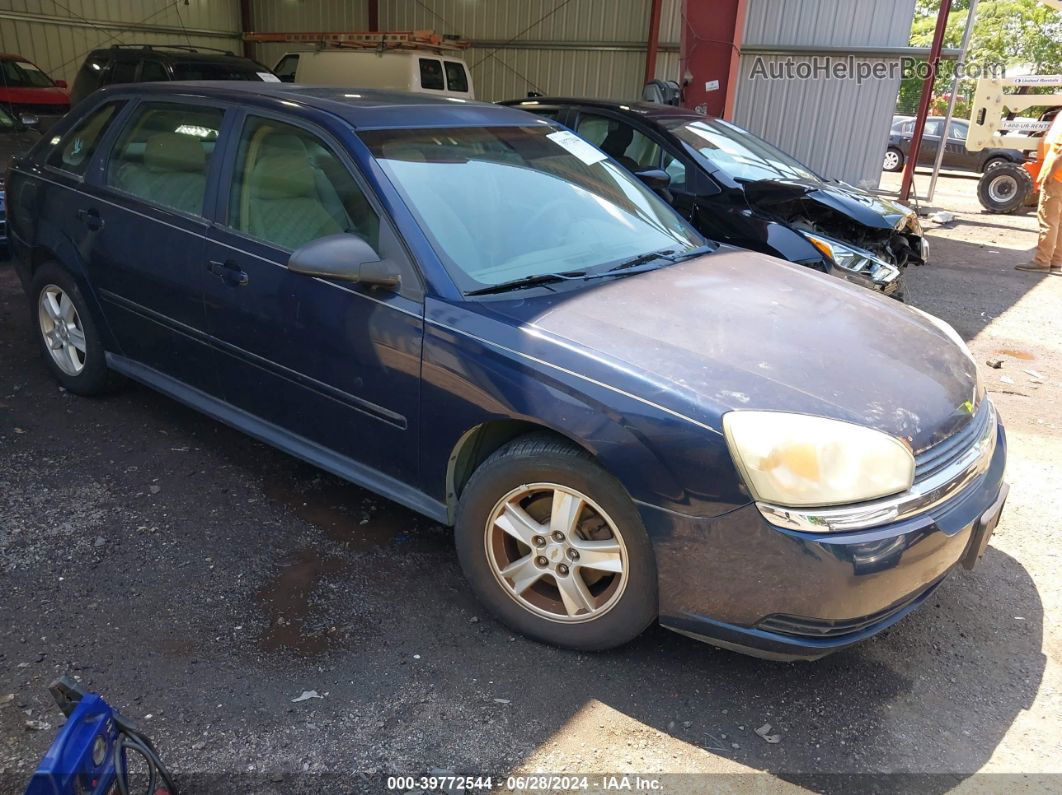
point(29, 120)
point(344, 256)
point(59, 83)
point(657, 180)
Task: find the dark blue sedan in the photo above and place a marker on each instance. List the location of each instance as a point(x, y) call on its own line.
point(477, 314)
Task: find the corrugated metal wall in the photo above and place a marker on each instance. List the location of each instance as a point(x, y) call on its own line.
point(578, 47)
point(58, 35)
point(823, 122)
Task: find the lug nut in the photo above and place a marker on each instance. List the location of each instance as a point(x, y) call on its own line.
point(573, 554)
point(541, 561)
point(558, 535)
point(562, 570)
point(538, 541)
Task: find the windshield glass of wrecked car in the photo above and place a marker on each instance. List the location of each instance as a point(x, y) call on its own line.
point(505, 203)
point(739, 153)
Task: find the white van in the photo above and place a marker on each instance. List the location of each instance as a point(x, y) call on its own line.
point(421, 71)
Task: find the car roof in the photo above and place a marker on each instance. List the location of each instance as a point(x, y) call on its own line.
point(650, 110)
point(361, 107)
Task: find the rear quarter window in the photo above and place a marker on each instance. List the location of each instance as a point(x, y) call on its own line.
point(76, 148)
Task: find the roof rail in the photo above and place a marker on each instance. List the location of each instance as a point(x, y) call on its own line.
point(178, 47)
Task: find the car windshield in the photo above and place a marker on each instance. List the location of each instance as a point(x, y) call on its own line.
point(23, 74)
point(506, 203)
point(214, 70)
point(738, 152)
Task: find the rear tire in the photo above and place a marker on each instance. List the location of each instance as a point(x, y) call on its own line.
point(1005, 188)
point(893, 159)
point(553, 546)
point(67, 334)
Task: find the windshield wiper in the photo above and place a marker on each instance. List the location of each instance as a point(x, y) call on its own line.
point(526, 281)
point(668, 255)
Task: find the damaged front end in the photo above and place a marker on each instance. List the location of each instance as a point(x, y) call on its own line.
point(869, 239)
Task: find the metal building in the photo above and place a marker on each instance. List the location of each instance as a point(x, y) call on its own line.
point(595, 48)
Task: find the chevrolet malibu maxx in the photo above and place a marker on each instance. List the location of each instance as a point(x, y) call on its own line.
point(475, 313)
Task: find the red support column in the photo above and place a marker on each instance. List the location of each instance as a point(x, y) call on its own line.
point(653, 41)
point(923, 104)
point(710, 48)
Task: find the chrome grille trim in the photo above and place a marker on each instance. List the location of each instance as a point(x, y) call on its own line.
point(940, 455)
point(942, 483)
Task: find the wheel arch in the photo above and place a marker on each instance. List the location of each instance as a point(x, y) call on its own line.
point(478, 443)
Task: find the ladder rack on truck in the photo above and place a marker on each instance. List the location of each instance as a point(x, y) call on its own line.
point(405, 39)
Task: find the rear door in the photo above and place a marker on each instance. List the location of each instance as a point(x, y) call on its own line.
point(333, 362)
point(147, 221)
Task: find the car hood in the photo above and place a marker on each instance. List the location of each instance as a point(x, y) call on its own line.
point(738, 330)
point(878, 212)
point(49, 95)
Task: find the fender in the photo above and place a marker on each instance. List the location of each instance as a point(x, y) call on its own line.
point(490, 379)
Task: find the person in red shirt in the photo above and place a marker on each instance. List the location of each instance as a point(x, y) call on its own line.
point(1048, 258)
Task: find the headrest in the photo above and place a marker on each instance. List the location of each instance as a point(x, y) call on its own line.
point(174, 152)
point(282, 177)
point(283, 144)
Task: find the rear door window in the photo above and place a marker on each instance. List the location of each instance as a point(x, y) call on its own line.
point(290, 188)
point(456, 76)
point(163, 154)
point(431, 74)
point(76, 148)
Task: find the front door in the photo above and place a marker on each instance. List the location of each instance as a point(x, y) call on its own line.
point(333, 362)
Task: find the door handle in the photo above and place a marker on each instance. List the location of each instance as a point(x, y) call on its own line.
point(91, 218)
point(229, 272)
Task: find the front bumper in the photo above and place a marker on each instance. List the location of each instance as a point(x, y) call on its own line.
point(740, 582)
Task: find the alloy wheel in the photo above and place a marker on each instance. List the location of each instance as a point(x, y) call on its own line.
point(556, 552)
point(892, 160)
point(62, 330)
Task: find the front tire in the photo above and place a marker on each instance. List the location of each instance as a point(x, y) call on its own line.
point(553, 546)
point(1005, 188)
point(67, 334)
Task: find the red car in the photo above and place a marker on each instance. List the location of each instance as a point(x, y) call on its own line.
point(27, 90)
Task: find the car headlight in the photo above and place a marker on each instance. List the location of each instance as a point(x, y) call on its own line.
point(797, 460)
point(846, 257)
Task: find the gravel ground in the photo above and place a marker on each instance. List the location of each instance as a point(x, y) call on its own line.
point(202, 581)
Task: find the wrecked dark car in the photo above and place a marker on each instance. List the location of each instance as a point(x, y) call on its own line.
point(741, 190)
point(16, 137)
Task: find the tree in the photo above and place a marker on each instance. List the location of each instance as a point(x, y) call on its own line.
point(1024, 34)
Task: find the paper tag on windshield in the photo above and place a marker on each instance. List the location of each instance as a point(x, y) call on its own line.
point(268, 77)
point(577, 146)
